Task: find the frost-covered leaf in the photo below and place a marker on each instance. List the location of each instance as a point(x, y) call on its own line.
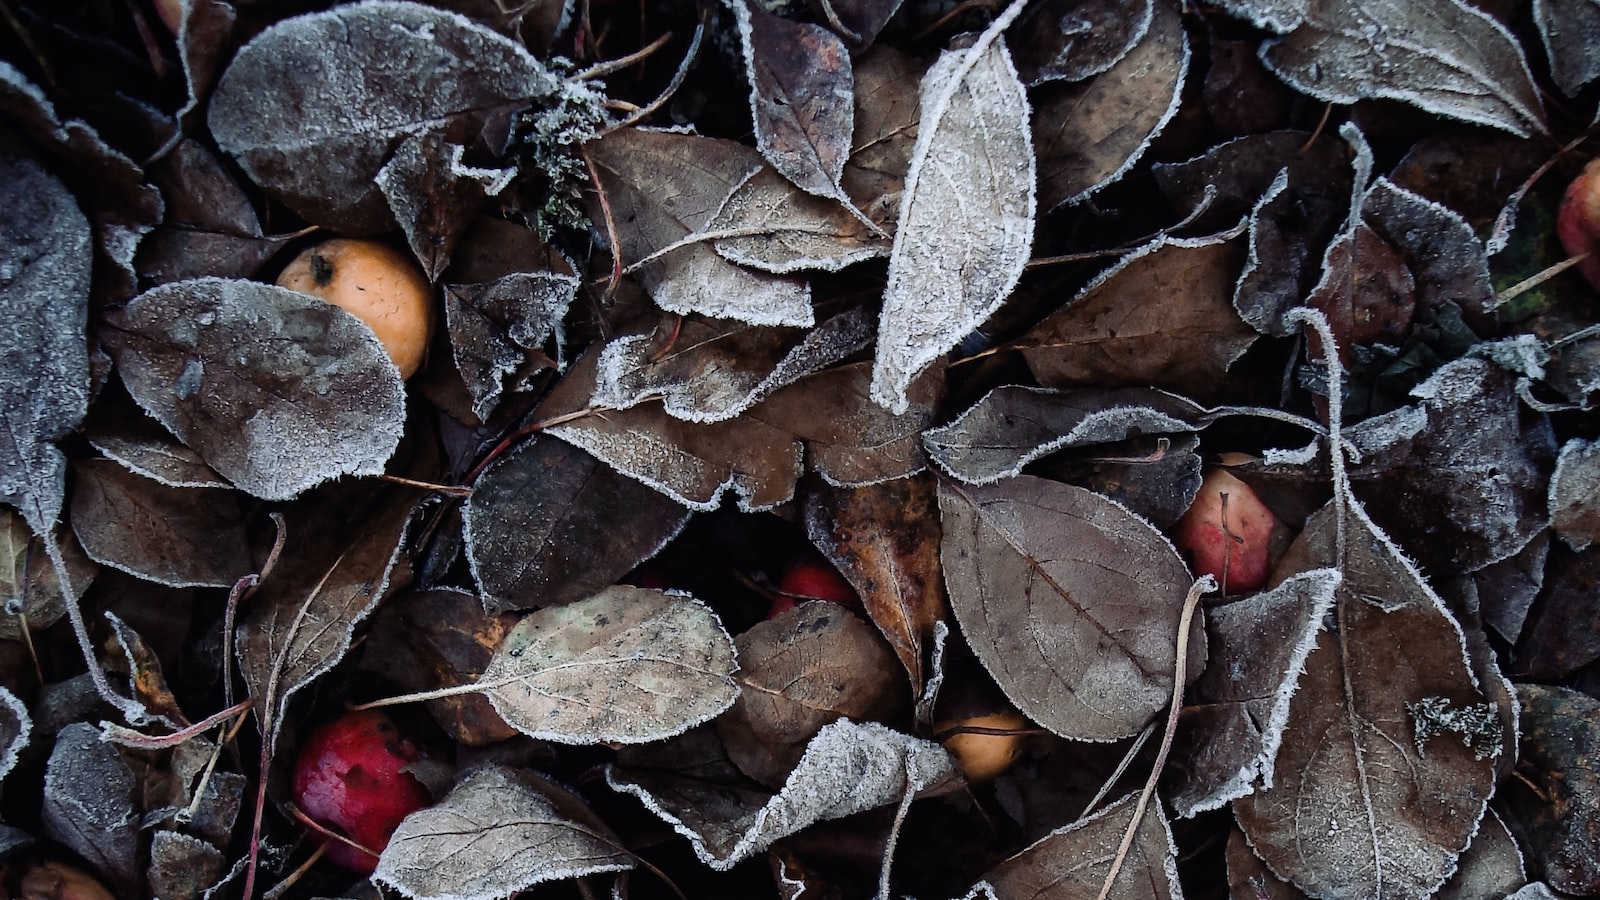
point(45, 257)
point(313, 107)
point(801, 86)
point(1447, 57)
point(625, 666)
point(1233, 720)
point(798, 672)
point(1507, 589)
point(966, 213)
point(29, 587)
point(1387, 759)
point(16, 726)
point(1249, 877)
point(1575, 494)
point(1440, 248)
point(769, 224)
point(849, 767)
point(1571, 33)
point(277, 391)
point(884, 539)
point(494, 326)
point(1072, 862)
point(549, 524)
point(710, 370)
point(1491, 866)
point(144, 448)
point(496, 834)
point(1072, 40)
point(1460, 467)
point(434, 194)
point(182, 866)
point(204, 33)
point(88, 802)
point(180, 537)
point(1070, 601)
point(664, 187)
point(859, 20)
point(329, 577)
point(1088, 135)
point(211, 227)
point(1236, 174)
point(1163, 317)
point(1012, 426)
point(851, 440)
point(1553, 805)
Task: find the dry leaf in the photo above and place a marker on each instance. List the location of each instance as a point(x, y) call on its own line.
point(769, 224)
point(496, 327)
point(1560, 636)
point(179, 537)
point(16, 727)
point(1552, 803)
point(885, 131)
point(1070, 601)
point(625, 666)
point(1570, 29)
point(1071, 40)
point(1575, 494)
point(181, 866)
point(88, 802)
point(29, 586)
point(496, 834)
point(966, 214)
point(1491, 866)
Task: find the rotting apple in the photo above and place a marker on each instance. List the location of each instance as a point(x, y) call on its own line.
point(376, 282)
point(352, 776)
point(1578, 222)
point(810, 579)
point(1227, 533)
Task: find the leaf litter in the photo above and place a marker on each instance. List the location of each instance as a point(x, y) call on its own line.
point(632, 430)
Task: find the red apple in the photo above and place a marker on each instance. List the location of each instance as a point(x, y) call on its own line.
point(1578, 223)
point(1229, 539)
point(812, 579)
point(351, 777)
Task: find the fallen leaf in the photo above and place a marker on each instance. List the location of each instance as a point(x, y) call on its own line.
point(277, 391)
point(88, 802)
point(475, 843)
point(1228, 180)
point(1071, 40)
point(182, 866)
point(966, 214)
point(625, 666)
point(1560, 636)
point(434, 195)
point(1491, 866)
point(30, 590)
point(769, 224)
point(1569, 29)
point(859, 20)
point(1551, 804)
point(16, 727)
point(886, 114)
point(1574, 509)
point(1507, 588)
point(495, 327)
point(211, 227)
point(1070, 601)
point(144, 448)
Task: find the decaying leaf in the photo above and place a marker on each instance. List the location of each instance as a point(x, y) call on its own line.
point(769, 224)
point(799, 672)
point(1560, 636)
point(1089, 134)
point(314, 126)
point(211, 226)
point(144, 448)
point(1163, 316)
point(885, 131)
point(1575, 494)
point(549, 524)
point(88, 802)
point(1236, 174)
point(16, 726)
point(1552, 804)
point(495, 326)
point(1233, 722)
point(1387, 762)
point(1071, 40)
point(1072, 862)
point(45, 254)
point(1070, 601)
point(29, 586)
point(180, 537)
point(625, 666)
point(664, 188)
point(277, 391)
point(434, 194)
point(884, 539)
point(966, 214)
point(849, 767)
point(497, 833)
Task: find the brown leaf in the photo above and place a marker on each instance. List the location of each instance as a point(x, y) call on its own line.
point(1491, 866)
point(1571, 33)
point(1561, 637)
point(666, 187)
point(625, 666)
point(474, 844)
point(211, 226)
point(798, 672)
point(1238, 173)
point(1090, 134)
point(769, 224)
point(29, 586)
point(886, 115)
point(1552, 804)
point(1249, 877)
point(1070, 601)
point(1163, 317)
point(1366, 291)
point(1072, 862)
point(182, 867)
point(433, 194)
point(497, 328)
point(884, 539)
point(1368, 795)
point(549, 524)
point(144, 448)
point(1071, 40)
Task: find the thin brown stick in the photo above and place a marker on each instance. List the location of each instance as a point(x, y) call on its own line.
point(1533, 281)
point(611, 229)
point(452, 490)
point(599, 70)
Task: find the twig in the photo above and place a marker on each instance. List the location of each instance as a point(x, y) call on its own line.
point(602, 69)
point(1528, 284)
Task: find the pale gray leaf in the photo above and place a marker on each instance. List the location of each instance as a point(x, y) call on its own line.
point(849, 767)
point(1070, 601)
point(88, 802)
point(1272, 15)
point(966, 214)
point(16, 726)
point(313, 106)
point(179, 537)
point(1072, 862)
point(1446, 56)
point(769, 224)
point(277, 391)
point(1571, 33)
point(625, 666)
point(494, 835)
point(715, 369)
point(1233, 720)
point(1013, 426)
point(666, 187)
point(1575, 493)
point(45, 256)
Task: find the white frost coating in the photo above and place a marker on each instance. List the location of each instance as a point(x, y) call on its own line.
point(1273, 15)
point(849, 767)
point(1361, 165)
point(671, 470)
point(1252, 260)
point(935, 680)
point(1275, 456)
point(493, 180)
point(952, 266)
point(1523, 354)
point(24, 728)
